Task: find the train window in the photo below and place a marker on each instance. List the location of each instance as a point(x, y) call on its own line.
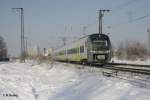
point(62, 53)
point(100, 43)
point(81, 49)
point(72, 51)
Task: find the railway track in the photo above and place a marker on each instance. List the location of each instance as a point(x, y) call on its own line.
point(120, 70)
point(138, 75)
point(126, 64)
point(129, 69)
point(125, 67)
point(134, 68)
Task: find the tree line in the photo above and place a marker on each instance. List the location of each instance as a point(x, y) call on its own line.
point(131, 50)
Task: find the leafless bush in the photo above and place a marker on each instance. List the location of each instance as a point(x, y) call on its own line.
point(3, 49)
point(113, 51)
point(132, 51)
point(120, 52)
point(44, 59)
point(136, 50)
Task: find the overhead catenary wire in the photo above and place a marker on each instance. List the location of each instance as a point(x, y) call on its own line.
point(122, 6)
point(114, 10)
point(131, 21)
point(140, 18)
point(130, 14)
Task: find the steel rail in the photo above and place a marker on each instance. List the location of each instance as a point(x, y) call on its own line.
point(127, 64)
point(134, 70)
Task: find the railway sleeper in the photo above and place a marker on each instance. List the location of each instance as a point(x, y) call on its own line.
point(109, 73)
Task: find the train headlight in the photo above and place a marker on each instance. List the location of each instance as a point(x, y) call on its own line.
point(100, 56)
point(93, 51)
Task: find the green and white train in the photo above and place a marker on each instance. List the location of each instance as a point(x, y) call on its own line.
point(94, 48)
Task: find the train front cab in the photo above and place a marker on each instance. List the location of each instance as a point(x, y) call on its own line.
point(99, 48)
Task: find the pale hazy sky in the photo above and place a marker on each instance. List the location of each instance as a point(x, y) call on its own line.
point(45, 20)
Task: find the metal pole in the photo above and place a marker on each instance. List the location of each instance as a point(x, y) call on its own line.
point(22, 59)
point(22, 35)
point(26, 47)
point(100, 20)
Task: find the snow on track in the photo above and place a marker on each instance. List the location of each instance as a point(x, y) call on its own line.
point(29, 81)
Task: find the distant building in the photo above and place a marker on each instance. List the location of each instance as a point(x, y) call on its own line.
point(47, 52)
point(34, 51)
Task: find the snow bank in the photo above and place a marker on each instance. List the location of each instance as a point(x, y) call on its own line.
point(29, 81)
point(147, 62)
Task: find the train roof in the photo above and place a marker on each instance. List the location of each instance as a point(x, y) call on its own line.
point(94, 34)
point(83, 39)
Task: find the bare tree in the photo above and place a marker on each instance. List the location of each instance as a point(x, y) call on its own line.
point(3, 49)
point(132, 50)
point(136, 50)
point(120, 52)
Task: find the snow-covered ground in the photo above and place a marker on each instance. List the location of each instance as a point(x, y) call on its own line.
point(30, 81)
point(146, 62)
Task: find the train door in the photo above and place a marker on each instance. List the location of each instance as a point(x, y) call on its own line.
point(89, 48)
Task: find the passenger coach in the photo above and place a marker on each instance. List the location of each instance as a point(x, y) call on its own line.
point(94, 48)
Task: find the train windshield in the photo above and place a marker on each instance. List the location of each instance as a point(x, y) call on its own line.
point(100, 45)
